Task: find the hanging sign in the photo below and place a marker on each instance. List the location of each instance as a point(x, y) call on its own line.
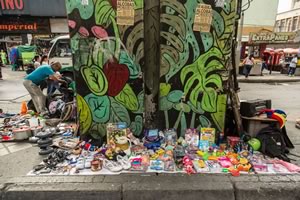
point(220, 3)
point(125, 12)
point(203, 18)
point(271, 37)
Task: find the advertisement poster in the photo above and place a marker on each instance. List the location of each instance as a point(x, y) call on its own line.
point(203, 18)
point(125, 12)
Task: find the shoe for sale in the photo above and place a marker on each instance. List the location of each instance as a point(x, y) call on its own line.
point(112, 166)
point(80, 164)
point(67, 134)
point(124, 162)
point(87, 163)
point(33, 139)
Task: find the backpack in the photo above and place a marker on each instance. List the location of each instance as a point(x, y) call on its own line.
point(272, 143)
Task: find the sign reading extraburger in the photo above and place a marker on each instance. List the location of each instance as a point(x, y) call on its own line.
point(24, 25)
point(271, 37)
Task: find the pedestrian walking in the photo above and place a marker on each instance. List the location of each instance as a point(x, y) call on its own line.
point(33, 80)
point(264, 64)
point(3, 57)
point(292, 66)
point(248, 64)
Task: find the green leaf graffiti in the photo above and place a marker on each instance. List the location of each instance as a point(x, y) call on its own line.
point(218, 23)
point(219, 116)
point(164, 89)
point(104, 12)
point(98, 131)
point(140, 98)
point(165, 104)
point(137, 126)
point(175, 96)
point(127, 98)
point(204, 122)
point(85, 11)
point(84, 113)
point(118, 112)
point(95, 79)
point(198, 80)
point(100, 107)
point(133, 67)
point(138, 4)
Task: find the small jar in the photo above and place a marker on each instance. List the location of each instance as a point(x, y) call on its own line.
point(96, 165)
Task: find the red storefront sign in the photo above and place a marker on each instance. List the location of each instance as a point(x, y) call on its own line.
point(12, 4)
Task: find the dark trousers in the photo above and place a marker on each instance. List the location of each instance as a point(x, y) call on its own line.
point(247, 70)
point(292, 70)
point(0, 71)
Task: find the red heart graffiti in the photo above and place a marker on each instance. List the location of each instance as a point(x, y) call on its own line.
point(117, 76)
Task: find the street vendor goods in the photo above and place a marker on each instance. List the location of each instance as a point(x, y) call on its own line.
point(159, 152)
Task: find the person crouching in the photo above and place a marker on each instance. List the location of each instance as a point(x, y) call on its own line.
point(33, 80)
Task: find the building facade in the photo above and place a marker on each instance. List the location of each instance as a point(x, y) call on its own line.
point(257, 20)
point(25, 21)
point(288, 20)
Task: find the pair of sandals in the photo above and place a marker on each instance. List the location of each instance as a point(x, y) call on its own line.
point(122, 163)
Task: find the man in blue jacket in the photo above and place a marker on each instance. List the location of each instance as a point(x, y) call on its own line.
point(33, 80)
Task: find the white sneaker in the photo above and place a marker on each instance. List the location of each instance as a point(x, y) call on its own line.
point(112, 166)
point(124, 162)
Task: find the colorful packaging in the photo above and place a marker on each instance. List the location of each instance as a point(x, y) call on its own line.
point(170, 137)
point(208, 134)
point(192, 138)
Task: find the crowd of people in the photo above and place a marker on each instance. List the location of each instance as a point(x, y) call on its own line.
point(249, 62)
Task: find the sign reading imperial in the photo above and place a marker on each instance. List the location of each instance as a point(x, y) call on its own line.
point(271, 37)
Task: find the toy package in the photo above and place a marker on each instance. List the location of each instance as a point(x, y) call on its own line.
point(192, 138)
point(117, 137)
point(170, 137)
point(208, 134)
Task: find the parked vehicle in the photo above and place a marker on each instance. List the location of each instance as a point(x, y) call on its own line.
point(60, 51)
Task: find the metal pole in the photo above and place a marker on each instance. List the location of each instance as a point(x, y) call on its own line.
point(152, 61)
point(239, 45)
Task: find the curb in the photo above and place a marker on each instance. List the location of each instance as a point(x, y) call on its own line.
point(249, 80)
point(153, 186)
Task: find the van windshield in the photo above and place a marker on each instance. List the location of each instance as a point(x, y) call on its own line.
point(61, 48)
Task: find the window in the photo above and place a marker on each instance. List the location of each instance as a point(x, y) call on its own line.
point(289, 25)
point(295, 24)
point(278, 26)
point(62, 48)
point(282, 27)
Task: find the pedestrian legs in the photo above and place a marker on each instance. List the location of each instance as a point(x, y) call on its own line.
point(38, 98)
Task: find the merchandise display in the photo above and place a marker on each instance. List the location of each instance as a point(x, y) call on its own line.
point(160, 152)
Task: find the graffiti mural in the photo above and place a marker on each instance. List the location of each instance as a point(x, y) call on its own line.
point(194, 65)
point(108, 60)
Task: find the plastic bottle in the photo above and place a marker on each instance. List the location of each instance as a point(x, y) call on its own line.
point(24, 108)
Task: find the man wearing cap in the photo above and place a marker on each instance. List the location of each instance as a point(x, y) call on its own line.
point(33, 80)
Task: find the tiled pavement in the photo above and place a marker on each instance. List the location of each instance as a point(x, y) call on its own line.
point(12, 147)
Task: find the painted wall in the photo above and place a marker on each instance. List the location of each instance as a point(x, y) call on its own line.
point(109, 64)
point(194, 66)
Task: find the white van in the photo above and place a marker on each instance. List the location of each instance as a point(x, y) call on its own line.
point(61, 52)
